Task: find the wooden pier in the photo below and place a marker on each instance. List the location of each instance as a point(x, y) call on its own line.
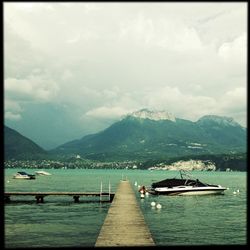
point(124, 224)
point(76, 195)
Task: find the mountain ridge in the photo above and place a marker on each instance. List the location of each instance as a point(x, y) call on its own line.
point(142, 135)
point(152, 114)
point(20, 147)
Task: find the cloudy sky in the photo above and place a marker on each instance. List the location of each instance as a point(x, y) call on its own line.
point(71, 69)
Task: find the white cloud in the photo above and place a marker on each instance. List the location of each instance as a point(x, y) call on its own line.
point(12, 110)
point(74, 39)
point(108, 112)
point(234, 51)
point(193, 106)
point(107, 59)
point(29, 6)
point(182, 105)
point(11, 105)
point(26, 91)
point(66, 75)
point(12, 116)
point(24, 6)
point(171, 34)
point(32, 88)
point(234, 100)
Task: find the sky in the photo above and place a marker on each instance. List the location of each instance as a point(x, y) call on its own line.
point(74, 68)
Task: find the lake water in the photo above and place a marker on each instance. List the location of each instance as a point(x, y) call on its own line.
point(182, 220)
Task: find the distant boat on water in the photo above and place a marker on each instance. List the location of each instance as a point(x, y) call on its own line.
point(24, 176)
point(42, 173)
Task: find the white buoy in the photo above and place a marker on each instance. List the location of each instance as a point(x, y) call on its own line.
point(158, 206)
point(147, 193)
point(139, 186)
point(238, 190)
point(234, 192)
point(153, 204)
point(136, 183)
point(142, 195)
point(8, 181)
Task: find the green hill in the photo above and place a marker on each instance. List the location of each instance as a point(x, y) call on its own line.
point(17, 146)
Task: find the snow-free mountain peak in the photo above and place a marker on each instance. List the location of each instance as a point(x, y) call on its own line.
point(220, 120)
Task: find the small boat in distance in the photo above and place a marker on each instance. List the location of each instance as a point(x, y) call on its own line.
point(42, 173)
point(24, 176)
point(184, 186)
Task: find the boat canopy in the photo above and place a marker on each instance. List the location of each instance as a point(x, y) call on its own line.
point(22, 173)
point(177, 182)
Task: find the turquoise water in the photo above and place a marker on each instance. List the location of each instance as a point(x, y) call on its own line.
point(182, 220)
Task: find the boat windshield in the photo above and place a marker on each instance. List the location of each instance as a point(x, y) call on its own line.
point(22, 173)
point(184, 173)
point(173, 182)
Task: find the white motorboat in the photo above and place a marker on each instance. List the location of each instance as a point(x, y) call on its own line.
point(24, 176)
point(184, 186)
point(42, 173)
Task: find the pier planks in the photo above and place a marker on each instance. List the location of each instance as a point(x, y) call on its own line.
point(124, 224)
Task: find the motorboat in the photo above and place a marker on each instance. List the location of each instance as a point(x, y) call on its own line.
point(24, 176)
point(42, 173)
point(184, 186)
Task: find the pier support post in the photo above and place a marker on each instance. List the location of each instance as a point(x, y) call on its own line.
point(39, 199)
point(112, 197)
point(7, 198)
point(76, 198)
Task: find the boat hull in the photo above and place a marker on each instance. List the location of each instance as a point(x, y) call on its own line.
point(24, 178)
point(188, 191)
point(42, 173)
point(21, 178)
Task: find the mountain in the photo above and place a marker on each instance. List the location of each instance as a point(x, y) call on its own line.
point(152, 115)
point(147, 134)
point(17, 146)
